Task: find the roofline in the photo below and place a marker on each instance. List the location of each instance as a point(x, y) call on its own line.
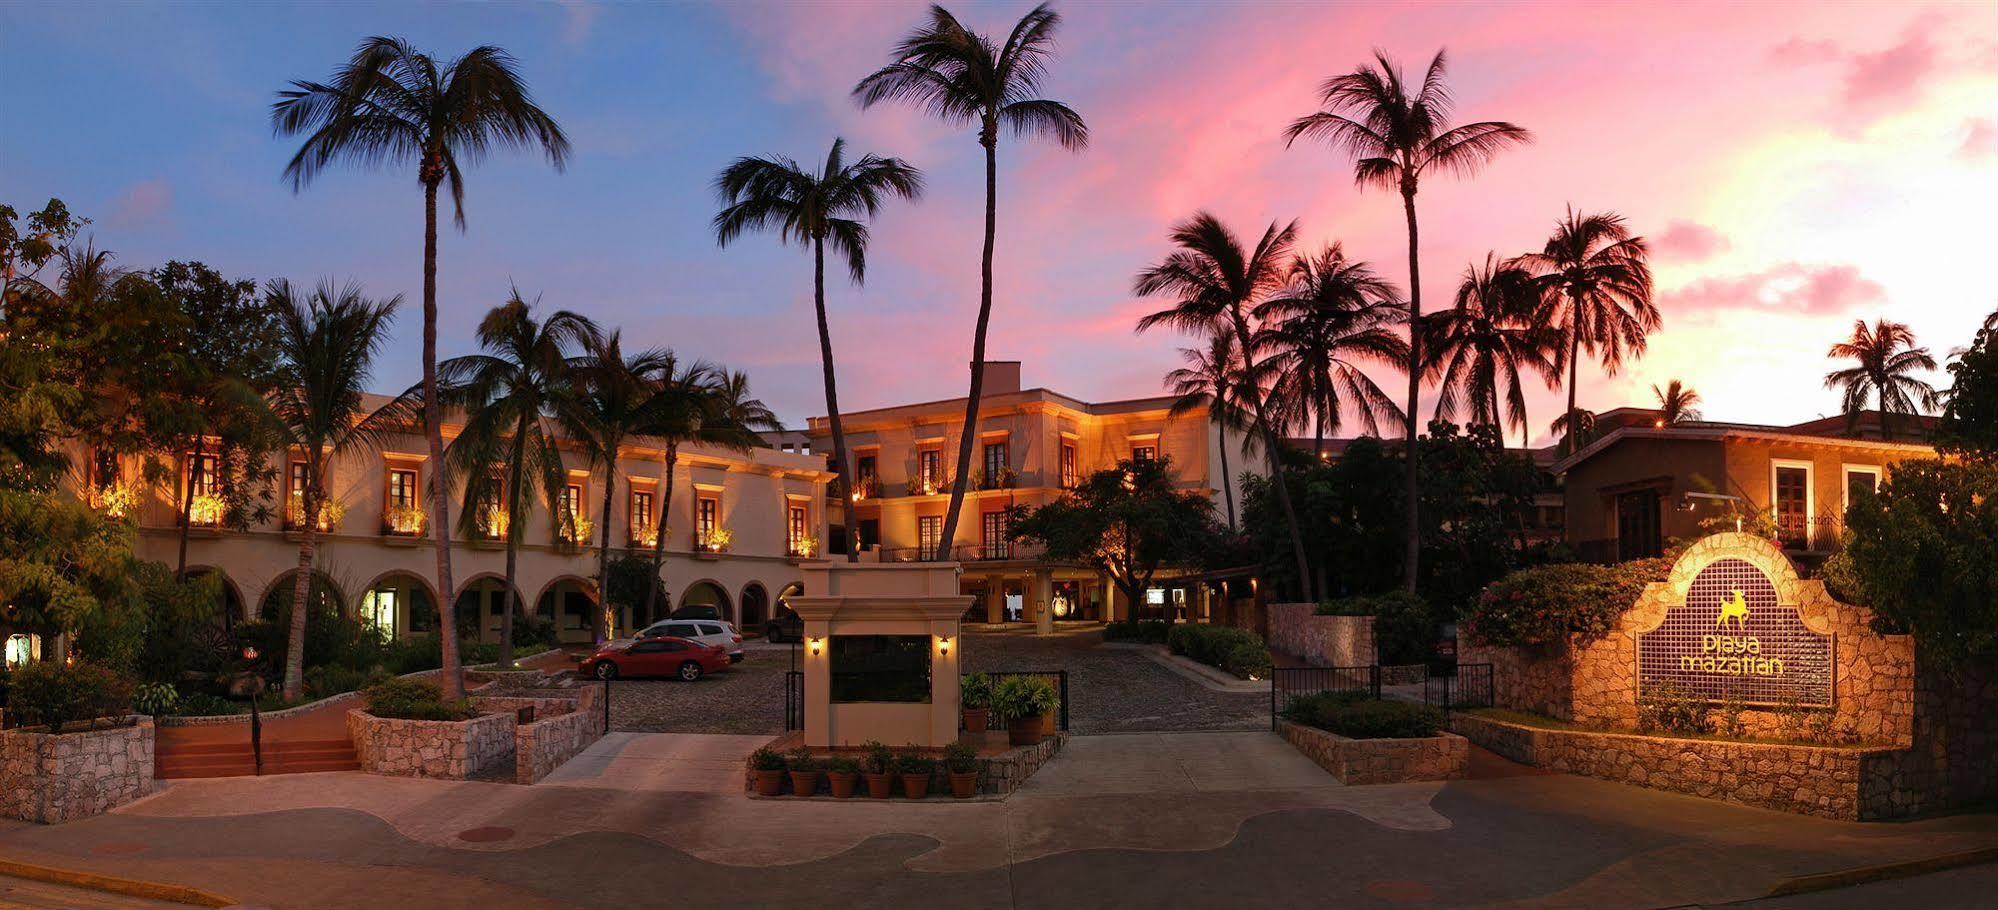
point(1024, 394)
point(1720, 432)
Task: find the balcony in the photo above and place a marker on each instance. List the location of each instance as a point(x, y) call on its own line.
point(867, 488)
point(712, 543)
point(206, 511)
point(642, 539)
point(573, 534)
point(404, 524)
point(116, 501)
point(1011, 551)
point(493, 525)
point(1006, 479)
point(802, 548)
point(330, 513)
point(933, 487)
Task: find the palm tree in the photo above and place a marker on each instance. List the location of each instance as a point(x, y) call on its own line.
point(612, 403)
point(1479, 347)
point(327, 343)
point(815, 209)
point(960, 77)
point(393, 105)
point(1211, 381)
point(1316, 334)
point(1595, 288)
point(1584, 421)
point(1886, 354)
point(1216, 286)
point(506, 394)
point(1677, 403)
point(1395, 137)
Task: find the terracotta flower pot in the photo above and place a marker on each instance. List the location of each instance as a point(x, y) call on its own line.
point(963, 784)
point(880, 786)
point(1049, 723)
point(976, 719)
point(915, 786)
point(1024, 731)
point(769, 783)
point(843, 784)
point(804, 783)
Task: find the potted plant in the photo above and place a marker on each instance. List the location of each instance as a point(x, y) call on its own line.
point(844, 776)
point(768, 766)
point(975, 693)
point(880, 764)
point(916, 770)
point(1021, 701)
point(961, 760)
point(804, 772)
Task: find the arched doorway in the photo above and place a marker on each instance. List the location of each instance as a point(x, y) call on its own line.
point(396, 605)
point(480, 607)
point(229, 602)
point(570, 603)
point(321, 593)
point(707, 594)
point(755, 603)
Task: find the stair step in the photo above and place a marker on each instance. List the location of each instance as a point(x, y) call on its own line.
point(270, 746)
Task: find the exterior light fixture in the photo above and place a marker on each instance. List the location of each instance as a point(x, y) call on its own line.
point(817, 643)
point(943, 645)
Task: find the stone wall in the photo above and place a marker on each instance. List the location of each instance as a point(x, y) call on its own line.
point(1321, 641)
point(1952, 762)
point(49, 778)
point(445, 749)
point(1445, 756)
point(1006, 772)
point(1842, 782)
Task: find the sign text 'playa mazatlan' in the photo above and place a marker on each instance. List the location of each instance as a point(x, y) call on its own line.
point(1732, 639)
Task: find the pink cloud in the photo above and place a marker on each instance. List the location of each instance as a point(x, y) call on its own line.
point(1890, 77)
point(1811, 290)
point(142, 203)
point(1980, 140)
point(1799, 51)
point(1687, 241)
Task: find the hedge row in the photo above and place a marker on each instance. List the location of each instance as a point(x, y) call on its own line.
point(1237, 651)
point(1546, 604)
point(1361, 716)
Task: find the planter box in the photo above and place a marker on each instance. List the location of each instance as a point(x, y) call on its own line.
point(443, 749)
point(49, 778)
point(561, 729)
point(1445, 756)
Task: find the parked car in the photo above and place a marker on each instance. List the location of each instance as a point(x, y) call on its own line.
point(707, 632)
point(787, 625)
point(656, 656)
point(697, 611)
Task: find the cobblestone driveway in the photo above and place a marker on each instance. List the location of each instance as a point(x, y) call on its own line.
point(749, 698)
point(1115, 690)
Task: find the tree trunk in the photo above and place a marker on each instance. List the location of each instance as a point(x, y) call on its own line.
point(1273, 452)
point(510, 496)
point(949, 532)
point(1570, 439)
point(187, 517)
point(301, 587)
point(606, 612)
point(1412, 559)
point(659, 533)
point(451, 678)
point(843, 475)
point(1227, 479)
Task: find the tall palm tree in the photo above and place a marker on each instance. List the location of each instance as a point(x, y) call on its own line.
point(612, 403)
point(1215, 286)
point(1479, 347)
point(507, 393)
point(1677, 403)
point(1395, 137)
point(815, 209)
point(327, 343)
point(1886, 354)
point(1584, 421)
point(1594, 277)
point(1317, 333)
point(960, 77)
point(1211, 381)
point(394, 105)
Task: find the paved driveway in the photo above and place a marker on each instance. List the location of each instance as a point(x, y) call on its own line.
point(1117, 690)
point(748, 699)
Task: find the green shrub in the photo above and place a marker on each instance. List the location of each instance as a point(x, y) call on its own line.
point(415, 699)
point(51, 694)
point(913, 762)
point(961, 758)
point(1237, 651)
point(879, 759)
point(844, 764)
point(975, 691)
point(766, 759)
point(1666, 709)
point(802, 759)
point(205, 704)
point(1544, 605)
point(155, 699)
point(1144, 632)
point(1404, 624)
point(1361, 716)
point(1018, 697)
point(332, 679)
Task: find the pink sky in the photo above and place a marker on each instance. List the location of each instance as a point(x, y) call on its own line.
point(1796, 167)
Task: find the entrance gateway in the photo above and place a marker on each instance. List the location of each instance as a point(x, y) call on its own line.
point(881, 653)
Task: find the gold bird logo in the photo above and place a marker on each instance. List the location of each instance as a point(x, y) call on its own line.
point(1735, 608)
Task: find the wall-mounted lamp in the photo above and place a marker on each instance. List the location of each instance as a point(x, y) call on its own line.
point(943, 645)
point(817, 644)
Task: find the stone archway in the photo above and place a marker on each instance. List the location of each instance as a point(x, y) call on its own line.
point(397, 604)
point(708, 593)
point(570, 602)
point(477, 611)
point(321, 592)
point(753, 606)
point(232, 608)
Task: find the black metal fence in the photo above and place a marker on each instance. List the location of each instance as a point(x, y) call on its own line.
point(1058, 677)
point(1287, 684)
point(1471, 687)
point(794, 700)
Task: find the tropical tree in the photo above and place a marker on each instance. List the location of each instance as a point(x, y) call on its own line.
point(1595, 289)
point(1677, 403)
point(394, 105)
point(327, 343)
point(1885, 355)
point(1316, 335)
point(611, 404)
point(27, 246)
point(1396, 136)
point(507, 394)
point(1480, 345)
point(1584, 422)
point(1211, 382)
point(1215, 287)
point(961, 77)
point(1126, 522)
point(815, 209)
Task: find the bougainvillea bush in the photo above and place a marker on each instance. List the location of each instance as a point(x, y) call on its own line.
point(1544, 605)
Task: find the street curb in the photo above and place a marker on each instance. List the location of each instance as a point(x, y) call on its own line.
point(159, 891)
point(1846, 878)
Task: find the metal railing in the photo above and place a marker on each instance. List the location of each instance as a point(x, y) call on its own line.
point(1288, 684)
point(794, 700)
point(1471, 687)
point(1058, 677)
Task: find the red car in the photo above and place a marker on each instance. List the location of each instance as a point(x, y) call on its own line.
point(661, 655)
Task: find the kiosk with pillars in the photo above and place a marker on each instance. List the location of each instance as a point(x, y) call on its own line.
point(881, 653)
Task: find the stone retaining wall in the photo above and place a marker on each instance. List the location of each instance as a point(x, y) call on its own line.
point(51, 778)
point(444, 749)
point(1445, 756)
point(1006, 772)
point(1321, 641)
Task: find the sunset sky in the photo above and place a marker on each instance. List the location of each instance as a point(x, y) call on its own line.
point(1796, 167)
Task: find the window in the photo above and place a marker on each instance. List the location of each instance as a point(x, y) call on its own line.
point(205, 474)
point(379, 613)
point(992, 537)
point(929, 469)
point(103, 469)
point(864, 475)
point(929, 536)
point(996, 462)
point(572, 505)
point(801, 531)
point(641, 516)
point(1144, 451)
point(295, 494)
point(1860, 480)
point(1791, 492)
point(402, 488)
point(870, 533)
point(709, 515)
point(1069, 468)
point(1639, 526)
point(880, 668)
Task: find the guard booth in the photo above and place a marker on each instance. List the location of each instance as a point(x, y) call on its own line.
point(881, 653)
